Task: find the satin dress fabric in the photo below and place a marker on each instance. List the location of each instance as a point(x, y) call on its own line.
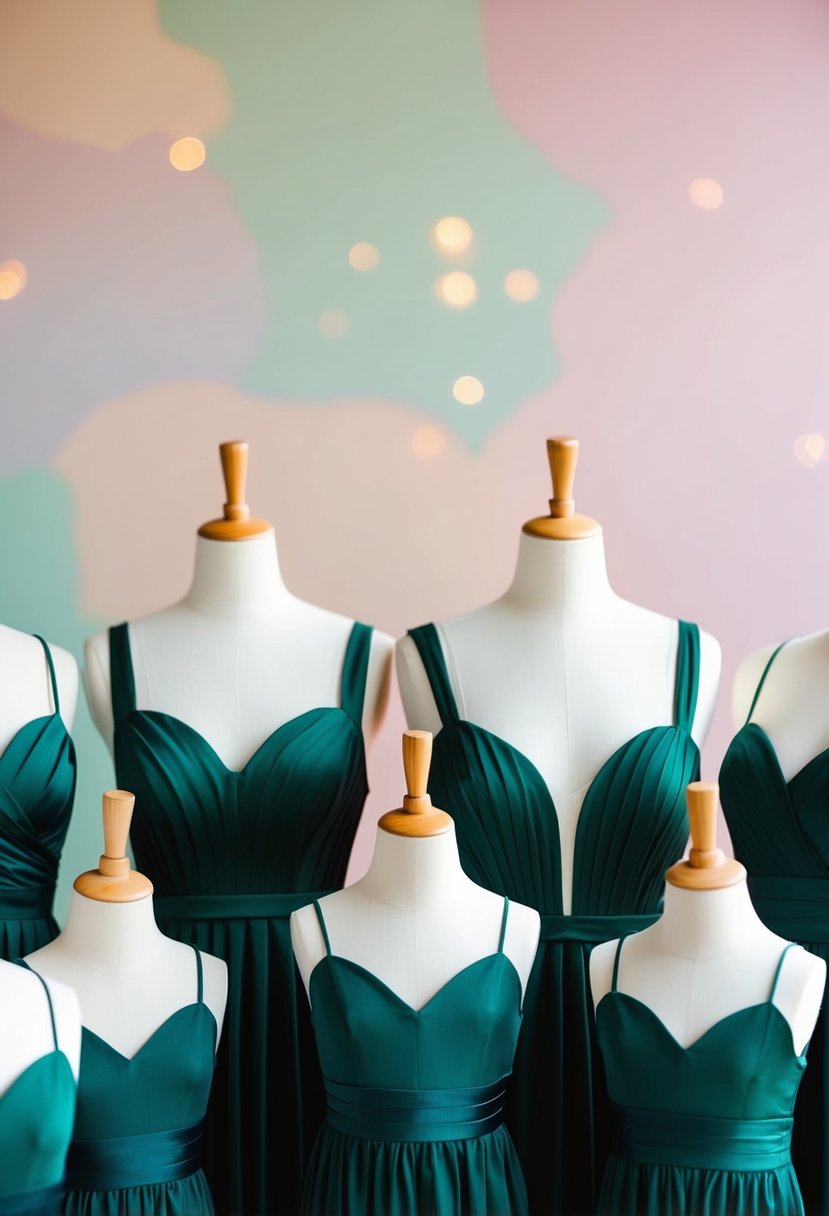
point(633, 824)
point(703, 1130)
point(231, 855)
point(37, 789)
point(415, 1096)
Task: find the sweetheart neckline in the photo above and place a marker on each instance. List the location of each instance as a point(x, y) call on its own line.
point(238, 772)
point(50, 1055)
point(485, 958)
point(161, 1026)
point(769, 745)
point(47, 718)
point(628, 996)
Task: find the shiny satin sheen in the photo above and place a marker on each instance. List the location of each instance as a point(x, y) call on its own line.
point(415, 1115)
point(132, 1161)
point(699, 1142)
point(47, 1201)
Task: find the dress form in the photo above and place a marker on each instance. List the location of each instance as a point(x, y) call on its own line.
point(709, 954)
point(202, 660)
point(791, 707)
point(25, 1025)
point(560, 666)
point(129, 977)
point(27, 685)
point(415, 919)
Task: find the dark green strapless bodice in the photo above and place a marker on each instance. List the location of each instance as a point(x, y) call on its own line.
point(415, 1096)
point(705, 1128)
point(632, 826)
point(780, 832)
point(37, 787)
point(36, 1114)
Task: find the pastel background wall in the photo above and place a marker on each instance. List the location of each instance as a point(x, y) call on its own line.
point(656, 171)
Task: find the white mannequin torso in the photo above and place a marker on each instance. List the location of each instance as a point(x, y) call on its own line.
point(708, 956)
point(129, 977)
point(239, 656)
point(415, 920)
point(792, 707)
point(28, 686)
point(25, 1024)
point(563, 669)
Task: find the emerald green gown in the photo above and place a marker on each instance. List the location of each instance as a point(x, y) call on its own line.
point(703, 1130)
point(37, 786)
point(780, 831)
point(415, 1096)
point(231, 855)
point(136, 1144)
point(632, 825)
point(36, 1114)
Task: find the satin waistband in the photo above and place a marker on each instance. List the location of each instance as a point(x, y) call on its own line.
point(796, 908)
point(46, 1201)
point(124, 1161)
point(233, 907)
point(26, 903)
point(415, 1114)
point(593, 929)
point(700, 1142)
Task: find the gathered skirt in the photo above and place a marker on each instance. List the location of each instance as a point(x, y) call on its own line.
point(631, 1188)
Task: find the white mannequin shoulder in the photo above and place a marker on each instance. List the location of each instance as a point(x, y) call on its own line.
point(26, 1026)
point(28, 683)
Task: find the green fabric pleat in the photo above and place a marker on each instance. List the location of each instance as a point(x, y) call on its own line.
point(632, 826)
point(780, 832)
point(231, 855)
point(37, 788)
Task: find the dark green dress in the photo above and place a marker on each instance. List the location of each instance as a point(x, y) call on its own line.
point(136, 1146)
point(632, 826)
point(415, 1096)
point(703, 1130)
point(37, 787)
point(231, 855)
point(780, 831)
point(36, 1115)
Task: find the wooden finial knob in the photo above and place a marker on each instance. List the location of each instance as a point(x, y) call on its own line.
point(562, 523)
point(417, 816)
point(115, 882)
point(236, 522)
point(707, 867)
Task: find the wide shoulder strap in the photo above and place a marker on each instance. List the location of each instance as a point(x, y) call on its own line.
point(778, 969)
point(22, 963)
point(199, 977)
point(121, 678)
point(616, 962)
point(425, 638)
point(52, 676)
point(759, 687)
point(355, 671)
point(321, 920)
point(686, 687)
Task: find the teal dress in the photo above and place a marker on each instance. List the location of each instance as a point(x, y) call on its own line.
point(415, 1096)
point(36, 1114)
point(37, 787)
point(632, 826)
point(136, 1145)
point(780, 831)
point(703, 1130)
point(231, 856)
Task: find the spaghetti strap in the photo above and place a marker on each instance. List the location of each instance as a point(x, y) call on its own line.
point(22, 963)
point(52, 675)
point(686, 687)
point(426, 639)
point(200, 976)
point(615, 979)
point(321, 920)
point(778, 970)
point(759, 687)
point(121, 677)
point(503, 926)
point(355, 671)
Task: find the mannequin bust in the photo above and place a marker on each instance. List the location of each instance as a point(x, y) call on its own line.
point(25, 1025)
point(129, 977)
point(415, 920)
point(709, 954)
point(27, 684)
point(206, 660)
point(791, 707)
point(560, 666)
